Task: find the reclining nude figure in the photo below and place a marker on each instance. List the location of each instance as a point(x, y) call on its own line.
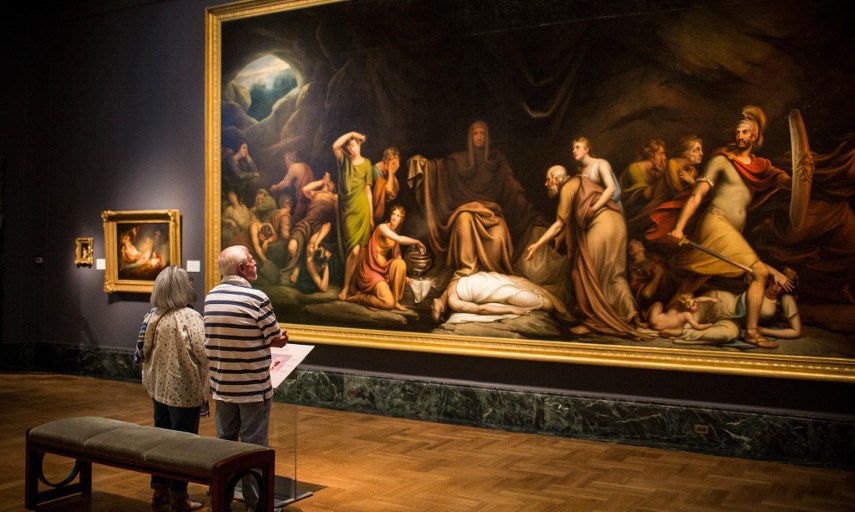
point(488, 296)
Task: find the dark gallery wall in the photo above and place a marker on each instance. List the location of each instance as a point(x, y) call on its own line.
point(106, 113)
point(104, 109)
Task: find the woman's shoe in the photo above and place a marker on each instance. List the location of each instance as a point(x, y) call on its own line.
point(184, 505)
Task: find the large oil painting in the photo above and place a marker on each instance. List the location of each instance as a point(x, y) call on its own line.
point(667, 186)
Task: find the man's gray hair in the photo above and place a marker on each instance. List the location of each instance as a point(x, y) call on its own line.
point(559, 172)
point(172, 289)
point(230, 258)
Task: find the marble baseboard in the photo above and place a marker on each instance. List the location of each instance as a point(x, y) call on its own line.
point(731, 433)
point(759, 435)
point(76, 360)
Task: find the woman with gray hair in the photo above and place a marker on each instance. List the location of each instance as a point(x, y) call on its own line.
point(174, 371)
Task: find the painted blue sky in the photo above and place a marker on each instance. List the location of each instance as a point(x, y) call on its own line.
point(263, 70)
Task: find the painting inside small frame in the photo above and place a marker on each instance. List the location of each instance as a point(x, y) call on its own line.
point(83, 253)
point(138, 245)
point(286, 80)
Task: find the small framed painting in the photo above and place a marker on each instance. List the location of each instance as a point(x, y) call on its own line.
point(137, 246)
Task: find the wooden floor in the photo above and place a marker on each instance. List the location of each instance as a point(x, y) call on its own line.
point(360, 463)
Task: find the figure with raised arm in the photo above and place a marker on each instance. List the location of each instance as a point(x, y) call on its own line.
point(355, 179)
point(320, 219)
point(385, 182)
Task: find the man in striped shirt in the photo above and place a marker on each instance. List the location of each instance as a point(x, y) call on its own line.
point(240, 328)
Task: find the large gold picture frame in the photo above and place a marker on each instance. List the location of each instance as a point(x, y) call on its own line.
point(138, 244)
point(238, 33)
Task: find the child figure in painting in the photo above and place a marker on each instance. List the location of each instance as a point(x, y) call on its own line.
point(661, 319)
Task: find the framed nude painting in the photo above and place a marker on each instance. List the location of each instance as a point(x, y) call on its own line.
point(139, 244)
point(667, 187)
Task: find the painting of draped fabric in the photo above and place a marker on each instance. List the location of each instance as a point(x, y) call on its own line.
point(475, 119)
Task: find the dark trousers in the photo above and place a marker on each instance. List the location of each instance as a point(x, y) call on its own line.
point(184, 419)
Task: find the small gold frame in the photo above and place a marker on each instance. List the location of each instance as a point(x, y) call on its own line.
point(83, 254)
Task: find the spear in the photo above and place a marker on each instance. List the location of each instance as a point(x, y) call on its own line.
point(686, 241)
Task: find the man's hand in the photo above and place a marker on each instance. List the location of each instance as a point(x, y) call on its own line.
point(530, 251)
point(675, 236)
point(280, 341)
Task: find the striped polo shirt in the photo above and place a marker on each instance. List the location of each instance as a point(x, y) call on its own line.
point(239, 326)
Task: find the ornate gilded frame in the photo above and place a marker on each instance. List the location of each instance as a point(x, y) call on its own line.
point(84, 247)
point(763, 364)
point(116, 223)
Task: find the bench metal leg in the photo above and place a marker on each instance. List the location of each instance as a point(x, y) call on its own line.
point(223, 493)
point(35, 474)
point(223, 490)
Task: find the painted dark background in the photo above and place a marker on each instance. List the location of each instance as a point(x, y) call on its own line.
point(416, 74)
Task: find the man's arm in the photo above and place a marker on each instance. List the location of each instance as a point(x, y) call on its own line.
point(649, 290)
point(311, 188)
point(274, 335)
point(694, 202)
point(784, 181)
point(549, 234)
point(287, 180)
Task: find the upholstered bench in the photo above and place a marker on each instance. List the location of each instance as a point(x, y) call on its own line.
point(179, 455)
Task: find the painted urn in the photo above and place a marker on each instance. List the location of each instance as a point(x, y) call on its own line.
point(418, 262)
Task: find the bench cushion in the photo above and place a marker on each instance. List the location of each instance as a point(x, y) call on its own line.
point(131, 444)
point(136, 444)
point(199, 454)
point(74, 432)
